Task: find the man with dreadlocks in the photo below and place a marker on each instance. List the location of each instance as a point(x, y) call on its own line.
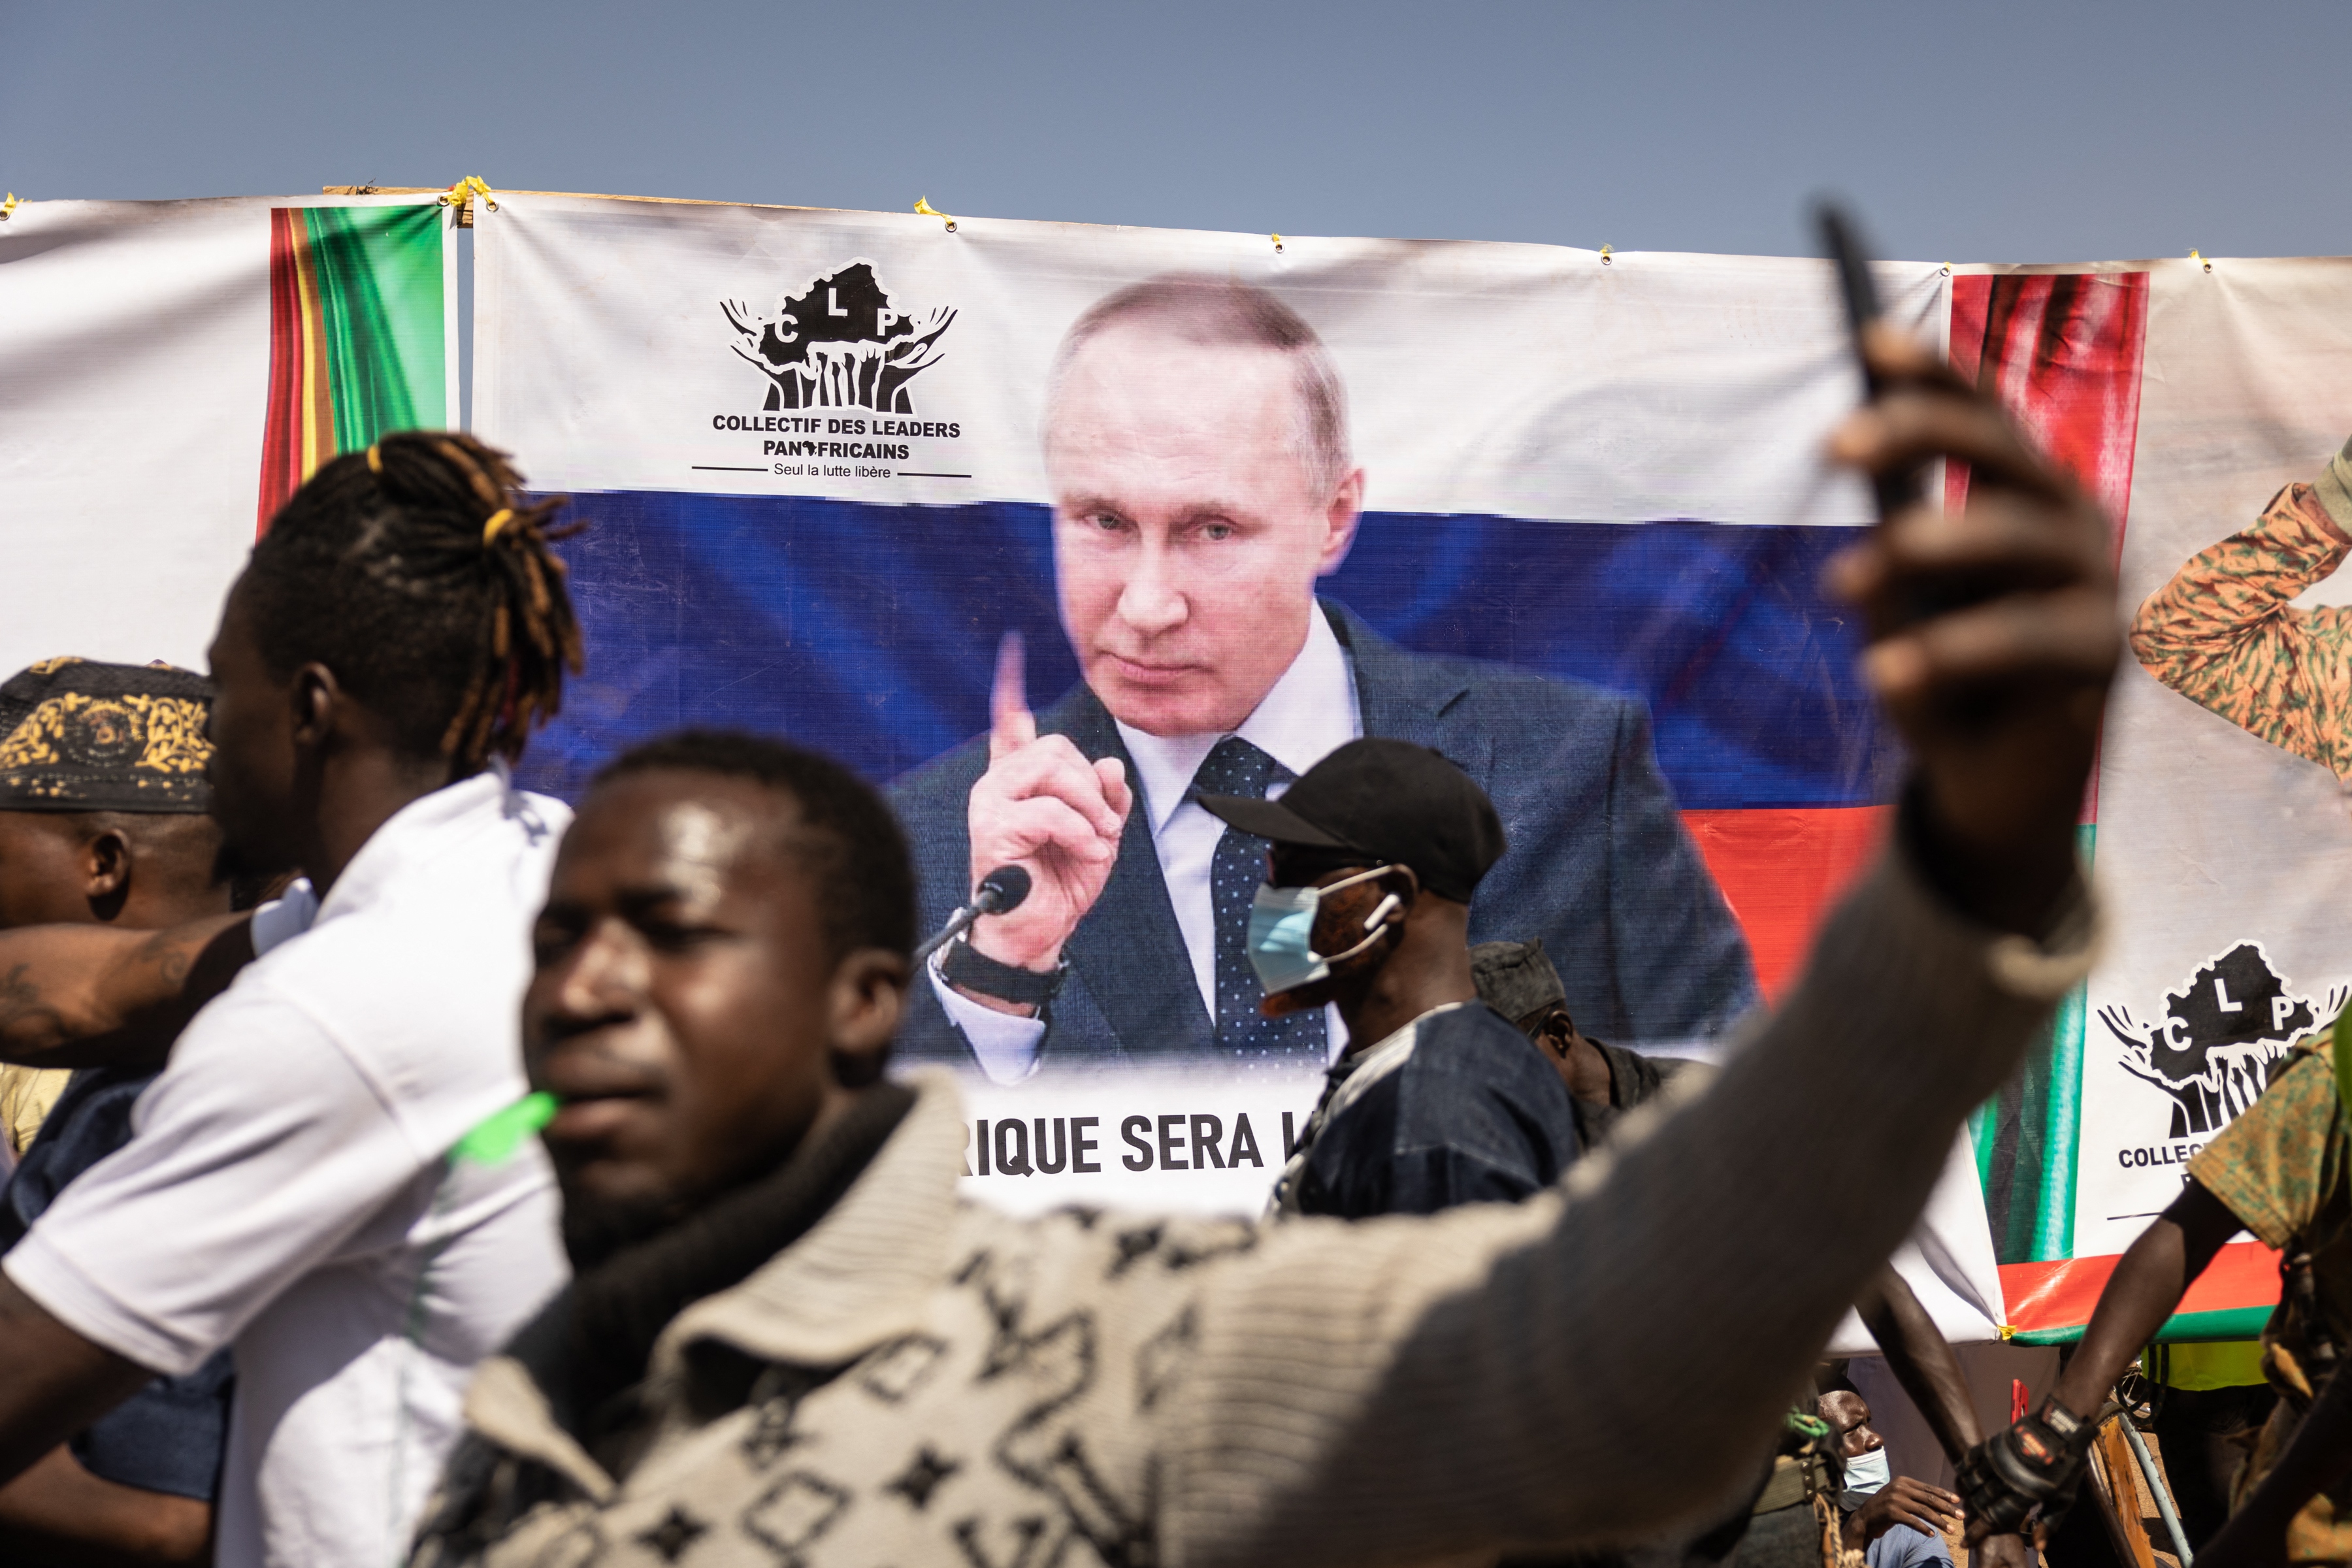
point(296, 1188)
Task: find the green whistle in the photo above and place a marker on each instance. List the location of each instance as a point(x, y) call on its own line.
point(499, 1136)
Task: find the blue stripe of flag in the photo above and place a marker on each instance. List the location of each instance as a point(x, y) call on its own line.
point(869, 630)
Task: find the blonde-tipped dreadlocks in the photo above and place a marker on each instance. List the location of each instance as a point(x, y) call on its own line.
point(420, 575)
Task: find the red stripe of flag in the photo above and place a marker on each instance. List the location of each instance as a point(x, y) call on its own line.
point(1781, 870)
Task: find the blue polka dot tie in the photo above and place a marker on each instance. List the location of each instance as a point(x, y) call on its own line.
point(1244, 1033)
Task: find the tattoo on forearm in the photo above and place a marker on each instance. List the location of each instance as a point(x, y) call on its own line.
point(23, 1011)
point(169, 955)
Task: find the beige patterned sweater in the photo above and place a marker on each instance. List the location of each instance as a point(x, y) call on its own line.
point(2223, 634)
point(933, 1381)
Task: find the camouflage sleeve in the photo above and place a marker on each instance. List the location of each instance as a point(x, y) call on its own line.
point(2223, 634)
point(2268, 1166)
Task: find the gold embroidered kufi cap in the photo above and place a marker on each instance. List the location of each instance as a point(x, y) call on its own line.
point(77, 735)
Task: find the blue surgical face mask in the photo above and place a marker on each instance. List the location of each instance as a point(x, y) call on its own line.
point(1865, 1474)
point(1282, 932)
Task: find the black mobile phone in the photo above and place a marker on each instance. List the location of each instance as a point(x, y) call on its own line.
point(1842, 245)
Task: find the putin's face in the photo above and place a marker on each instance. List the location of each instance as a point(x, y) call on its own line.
point(1188, 528)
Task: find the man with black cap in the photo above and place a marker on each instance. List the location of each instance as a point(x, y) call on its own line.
point(1439, 1099)
point(103, 823)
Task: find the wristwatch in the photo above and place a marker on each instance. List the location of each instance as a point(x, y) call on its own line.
point(967, 968)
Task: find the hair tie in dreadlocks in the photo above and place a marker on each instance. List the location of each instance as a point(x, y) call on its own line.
point(375, 461)
point(499, 520)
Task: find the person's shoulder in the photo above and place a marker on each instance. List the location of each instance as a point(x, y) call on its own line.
point(2270, 1165)
point(2301, 1093)
point(1474, 1041)
point(1471, 1063)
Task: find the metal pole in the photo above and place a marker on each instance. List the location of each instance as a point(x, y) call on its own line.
point(2157, 1489)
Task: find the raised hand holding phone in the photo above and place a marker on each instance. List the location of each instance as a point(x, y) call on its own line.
point(1993, 632)
point(1896, 488)
point(1044, 807)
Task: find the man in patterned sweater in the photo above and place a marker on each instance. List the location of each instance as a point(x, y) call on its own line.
point(2225, 633)
point(789, 1339)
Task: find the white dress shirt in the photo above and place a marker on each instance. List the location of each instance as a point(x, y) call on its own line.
point(1311, 712)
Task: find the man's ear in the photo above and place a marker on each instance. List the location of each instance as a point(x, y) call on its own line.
point(867, 997)
point(106, 872)
point(316, 699)
point(1404, 884)
point(1339, 517)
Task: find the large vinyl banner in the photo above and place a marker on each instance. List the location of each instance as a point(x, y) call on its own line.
point(169, 371)
point(967, 507)
point(2221, 837)
point(1559, 515)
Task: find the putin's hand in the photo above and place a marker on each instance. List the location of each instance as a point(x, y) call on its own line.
point(1993, 635)
point(1044, 807)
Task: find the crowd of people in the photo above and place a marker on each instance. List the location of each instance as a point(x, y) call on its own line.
point(434, 1173)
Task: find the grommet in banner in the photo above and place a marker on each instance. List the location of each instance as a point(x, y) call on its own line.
point(924, 206)
point(8, 208)
point(1278, 243)
point(1948, 269)
point(1605, 254)
point(2194, 257)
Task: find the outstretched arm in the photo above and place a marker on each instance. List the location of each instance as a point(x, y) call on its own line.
point(1921, 1361)
point(88, 995)
point(2224, 634)
point(53, 1381)
point(2143, 1291)
point(1504, 1377)
point(59, 1512)
point(2036, 1462)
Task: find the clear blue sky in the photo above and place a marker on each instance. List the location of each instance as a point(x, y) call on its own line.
point(1993, 132)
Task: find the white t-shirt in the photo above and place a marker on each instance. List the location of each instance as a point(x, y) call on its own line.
point(287, 1189)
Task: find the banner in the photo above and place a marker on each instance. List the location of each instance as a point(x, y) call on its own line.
point(169, 371)
point(2218, 820)
point(830, 460)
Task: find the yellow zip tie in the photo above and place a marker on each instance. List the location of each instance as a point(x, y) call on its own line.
point(923, 205)
point(498, 520)
point(466, 188)
point(7, 206)
point(375, 461)
point(1605, 254)
point(2194, 257)
point(1278, 243)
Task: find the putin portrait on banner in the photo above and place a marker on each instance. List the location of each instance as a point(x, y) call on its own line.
point(1196, 444)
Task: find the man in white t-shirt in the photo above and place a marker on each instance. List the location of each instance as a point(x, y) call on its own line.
point(291, 1189)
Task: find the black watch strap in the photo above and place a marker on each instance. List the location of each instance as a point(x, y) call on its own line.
point(967, 969)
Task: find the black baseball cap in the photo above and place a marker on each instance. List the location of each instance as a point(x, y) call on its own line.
point(1391, 801)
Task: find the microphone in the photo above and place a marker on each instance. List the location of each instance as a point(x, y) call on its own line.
point(1001, 891)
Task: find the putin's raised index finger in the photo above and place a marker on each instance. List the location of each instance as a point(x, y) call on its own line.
point(1011, 725)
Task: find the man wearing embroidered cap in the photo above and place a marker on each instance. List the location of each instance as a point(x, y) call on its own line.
point(1439, 1101)
point(77, 738)
point(103, 823)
